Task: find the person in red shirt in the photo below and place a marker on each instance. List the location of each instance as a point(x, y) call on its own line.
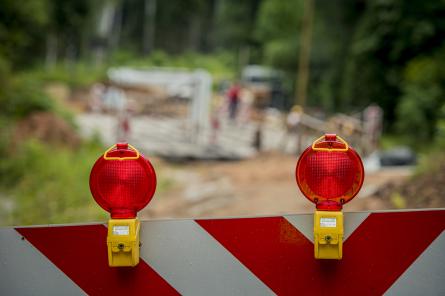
point(233, 95)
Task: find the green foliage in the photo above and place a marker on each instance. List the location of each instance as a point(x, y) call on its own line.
point(416, 113)
point(385, 52)
point(19, 96)
point(220, 65)
point(430, 162)
point(22, 30)
point(83, 74)
point(398, 201)
point(391, 140)
point(39, 183)
point(22, 98)
point(42, 184)
point(389, 35)
point(440, 127)
point(278, 28)
point(389, 52)
point(420, 111)
point(235, 21)
point(76, 75)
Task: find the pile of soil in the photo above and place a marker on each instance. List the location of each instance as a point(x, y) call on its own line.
point(48, 128)
point(424, 190)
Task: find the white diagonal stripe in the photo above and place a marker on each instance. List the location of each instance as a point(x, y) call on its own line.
point(194, 263)
point(25, 271)
point(352, 221)
point(305, 223)
point(426, 276)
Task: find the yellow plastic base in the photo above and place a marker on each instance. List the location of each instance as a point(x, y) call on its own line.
point(328, 234)
point(123, 242)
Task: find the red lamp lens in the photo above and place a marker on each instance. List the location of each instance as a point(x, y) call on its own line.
point(329, 175)
point(122, 186)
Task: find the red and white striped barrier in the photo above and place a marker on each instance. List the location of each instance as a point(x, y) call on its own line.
point(393, 253)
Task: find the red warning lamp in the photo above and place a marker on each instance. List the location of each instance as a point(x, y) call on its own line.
point(329, 173)
point(123, 182)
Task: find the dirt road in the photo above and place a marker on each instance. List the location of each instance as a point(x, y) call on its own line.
point(261, 185)
point(264, 185)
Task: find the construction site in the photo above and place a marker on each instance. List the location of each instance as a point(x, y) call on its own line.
point(222, 147)
point(213, 165)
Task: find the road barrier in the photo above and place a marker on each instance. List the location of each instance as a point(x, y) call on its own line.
point(392, 252)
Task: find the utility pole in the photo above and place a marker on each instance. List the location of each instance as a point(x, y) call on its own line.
point(305, 54)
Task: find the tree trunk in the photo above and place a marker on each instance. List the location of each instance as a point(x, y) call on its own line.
point(305, 54)
point(51, 51)
point(148, 34)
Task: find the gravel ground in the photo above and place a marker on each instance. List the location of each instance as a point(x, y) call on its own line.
point(264, 185)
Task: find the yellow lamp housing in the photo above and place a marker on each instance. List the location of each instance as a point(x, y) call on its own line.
point(328, 234)
point(123, 242)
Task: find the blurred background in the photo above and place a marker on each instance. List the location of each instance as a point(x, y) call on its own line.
point(222, 96)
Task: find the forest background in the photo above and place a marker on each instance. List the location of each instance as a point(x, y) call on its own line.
point(388, 52)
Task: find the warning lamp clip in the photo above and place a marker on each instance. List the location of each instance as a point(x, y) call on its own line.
point(329, 173)
point(122, 182)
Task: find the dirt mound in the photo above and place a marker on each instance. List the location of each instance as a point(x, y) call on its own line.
point(423, 190)
point(46, 127)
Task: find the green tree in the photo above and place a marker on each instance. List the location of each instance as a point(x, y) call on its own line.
point(420, 109)
point(278, 29)
point(387, 37)
point(22, 29)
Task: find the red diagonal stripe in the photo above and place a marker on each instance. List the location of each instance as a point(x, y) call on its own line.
point(81, 253)
point(374, 256)
point(271, 248)
point(384, 246)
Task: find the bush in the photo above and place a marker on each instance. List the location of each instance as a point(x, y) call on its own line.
point(22, 98)
point(220, 65)
point(421, 110)
point(81, 74)
point(45, 185)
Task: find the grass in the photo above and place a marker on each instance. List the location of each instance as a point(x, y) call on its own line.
point(48, 185)
point(388, 141)
point(78, 75)
point(41, 184)
point(85, 73)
